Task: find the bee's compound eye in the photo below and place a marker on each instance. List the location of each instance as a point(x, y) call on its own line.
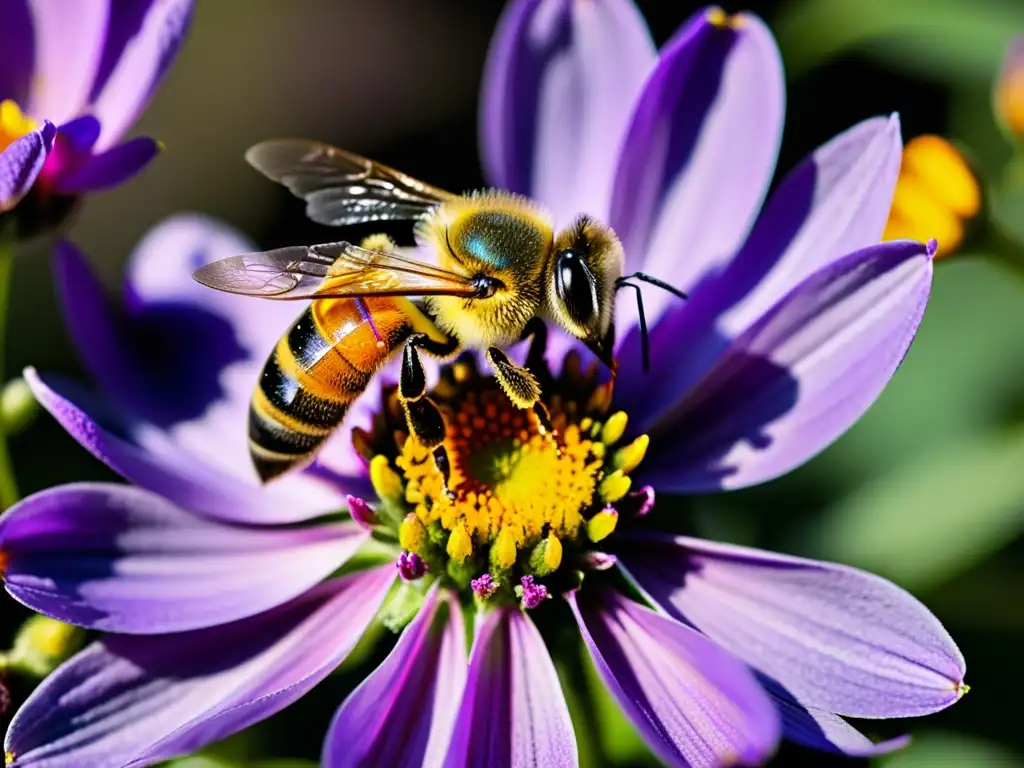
point(576, 288)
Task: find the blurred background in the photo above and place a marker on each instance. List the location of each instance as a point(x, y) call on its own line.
point(927, 489)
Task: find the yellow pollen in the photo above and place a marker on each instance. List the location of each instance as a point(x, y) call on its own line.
point(601, 525)
point(505, 549)
point(459, 545)
point(962, 689)
point(614, 428)
point(385, 481)
point(719, 18)
point(13, 123)
point(936, 195)
point(553, 552)
point(615, 486)
point(627, 459)
point(8, 758)
point(412, 535)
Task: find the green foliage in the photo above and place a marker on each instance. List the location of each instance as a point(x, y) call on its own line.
point(951, 750)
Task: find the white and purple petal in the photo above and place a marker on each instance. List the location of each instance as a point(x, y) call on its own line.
point(700, 152)
point(69, 42)
point(513, 713)
point(21, 162)
point(134, 701)
point(404, 712)
point(559, 85)
point(143, 454)
point(832, 637)
point(797, 378)
point(144, 60)
point(694, 703)
point(121, 559)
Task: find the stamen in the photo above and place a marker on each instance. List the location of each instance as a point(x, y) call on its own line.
point(411, 566)
point(412, 534)
point(385, 481)
point(615, 486)
point(361, 512)
point(531, 595)
point(484, 587)
point(601, 525)
point(627, 459)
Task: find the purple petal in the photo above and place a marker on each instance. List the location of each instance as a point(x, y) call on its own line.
point(69, 42)
point(132, 701)
point(693, 703)
point(700, 152)
point(108, 169)
point(512, 713)
point(17, 51)
point(21, 162)
point(798, 378)
point(121, 559)
point(834, 638)
point(560, 80)
point(145, 457)
point(833, 203)
point(404, 712)
point(818, 729)
point(143, 64)
point(80, 134)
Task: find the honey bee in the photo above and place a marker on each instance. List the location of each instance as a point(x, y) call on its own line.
point(500, 272)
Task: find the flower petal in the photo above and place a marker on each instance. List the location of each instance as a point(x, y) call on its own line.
point(833, 637)
point(80, 133)
point(17, 51)
point(694, 703)
point(700, 152)
point(404, 712)
point(560, 79)
point(833, 203)
point(512, 711)
point(144, 456)
point(122, 559)
point(132, 701)
point(144, 61)
point(69, 43)
point(798, 378)
point(21, 162)
point(108, 169)
point(818, 729)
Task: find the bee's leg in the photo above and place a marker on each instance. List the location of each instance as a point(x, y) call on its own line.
point(537, 331)
point(520, 386)
point(425, 419)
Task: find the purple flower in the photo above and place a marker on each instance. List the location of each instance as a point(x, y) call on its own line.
point(82, 74)
point(212, 588)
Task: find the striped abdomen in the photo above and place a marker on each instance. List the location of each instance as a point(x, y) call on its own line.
point(314, 373)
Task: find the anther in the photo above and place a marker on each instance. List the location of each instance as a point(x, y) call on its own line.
point(615, 486)
point(460, 546)
point(531, 595)
point(601, 525)
point(503, 552)
point(385, 481)
point(411, 566)
point(361, 512)
point(484, 587)
point(629, 457)
point(412, 534)
point(614, 428)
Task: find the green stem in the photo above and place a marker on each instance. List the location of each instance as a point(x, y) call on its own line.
point(8, 486)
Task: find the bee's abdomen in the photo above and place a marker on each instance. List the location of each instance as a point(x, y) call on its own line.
point(310, 379)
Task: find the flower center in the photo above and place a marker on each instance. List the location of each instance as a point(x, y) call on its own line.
point(522, 499)
point(13, 123)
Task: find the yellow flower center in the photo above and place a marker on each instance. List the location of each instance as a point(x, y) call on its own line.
point(936, 195)
point(13, 123)
point(521, 498)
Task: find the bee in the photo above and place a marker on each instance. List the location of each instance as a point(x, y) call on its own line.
point(497, 273)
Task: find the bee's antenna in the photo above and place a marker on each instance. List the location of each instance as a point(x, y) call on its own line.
point(655, 281)
point(623, 282)
point(645, 349)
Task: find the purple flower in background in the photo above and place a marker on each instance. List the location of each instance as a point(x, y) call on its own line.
point(74, 77)
point(217, 592)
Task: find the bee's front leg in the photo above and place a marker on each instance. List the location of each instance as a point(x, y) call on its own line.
point(519, 383)
point(424, 417)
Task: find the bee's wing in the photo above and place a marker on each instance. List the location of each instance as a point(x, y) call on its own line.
point(340, 187)
point(331, 270)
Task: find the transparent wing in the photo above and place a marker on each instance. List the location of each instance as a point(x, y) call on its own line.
point(340, 187)
point(331, 270)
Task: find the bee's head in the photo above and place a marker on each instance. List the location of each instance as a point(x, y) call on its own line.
point(580, 298)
